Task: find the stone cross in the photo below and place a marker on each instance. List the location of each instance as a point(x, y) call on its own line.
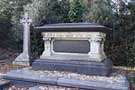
point(24, 58)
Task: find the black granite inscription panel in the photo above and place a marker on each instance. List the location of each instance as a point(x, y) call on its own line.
point(71, 46)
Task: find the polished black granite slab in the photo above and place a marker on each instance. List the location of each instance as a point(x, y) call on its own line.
point(72, 27)
point(74, 65)
point(71, 46)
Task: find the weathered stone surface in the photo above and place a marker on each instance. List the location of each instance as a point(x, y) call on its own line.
point(24, 57)
point(3, 83)
point(30, 77)
point(93, 84)
point(94, 48)
point(82, 67)
point(116, 81)
point(34, 88)
point(22, 60)
point(50, 87)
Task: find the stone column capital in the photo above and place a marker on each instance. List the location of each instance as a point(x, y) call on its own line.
point(95, 39)
point(46, 39)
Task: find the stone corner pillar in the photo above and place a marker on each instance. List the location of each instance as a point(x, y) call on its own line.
point(47, 47)
point(97, 47)
point(24, 57)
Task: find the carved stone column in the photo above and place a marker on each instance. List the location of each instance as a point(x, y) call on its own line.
point(97, 47)
point(24, 57)
point(47, 47)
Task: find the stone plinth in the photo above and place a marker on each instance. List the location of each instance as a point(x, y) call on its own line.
point(82, 66)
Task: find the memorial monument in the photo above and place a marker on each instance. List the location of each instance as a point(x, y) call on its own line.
point(73, 56)
point(74, 47)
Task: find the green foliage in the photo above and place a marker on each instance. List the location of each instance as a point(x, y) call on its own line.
point(5, 32)
point(99, 11)
point(18, 9)
point(120, 16)
point(5, 23)
point(131, 35)
point(37, 10)
point(58, 11)
point(10, 11)
point(123, 30)
point(76, 11)
point(46, 12)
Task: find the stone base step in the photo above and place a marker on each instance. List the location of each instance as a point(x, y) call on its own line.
point(117, 80)
point(76, 66)
point(4, 83)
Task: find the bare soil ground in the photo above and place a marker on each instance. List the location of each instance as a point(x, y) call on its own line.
point(6, 58)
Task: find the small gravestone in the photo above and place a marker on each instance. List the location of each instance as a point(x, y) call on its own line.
point(74, 47)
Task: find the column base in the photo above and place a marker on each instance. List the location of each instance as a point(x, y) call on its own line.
point(22, 63)
point(44, 54)
point(97, 57)
point(22, 59)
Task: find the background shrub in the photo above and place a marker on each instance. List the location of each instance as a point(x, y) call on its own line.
point(118, 15)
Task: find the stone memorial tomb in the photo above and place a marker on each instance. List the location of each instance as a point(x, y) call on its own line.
point(74, 47)
point(73, 56)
